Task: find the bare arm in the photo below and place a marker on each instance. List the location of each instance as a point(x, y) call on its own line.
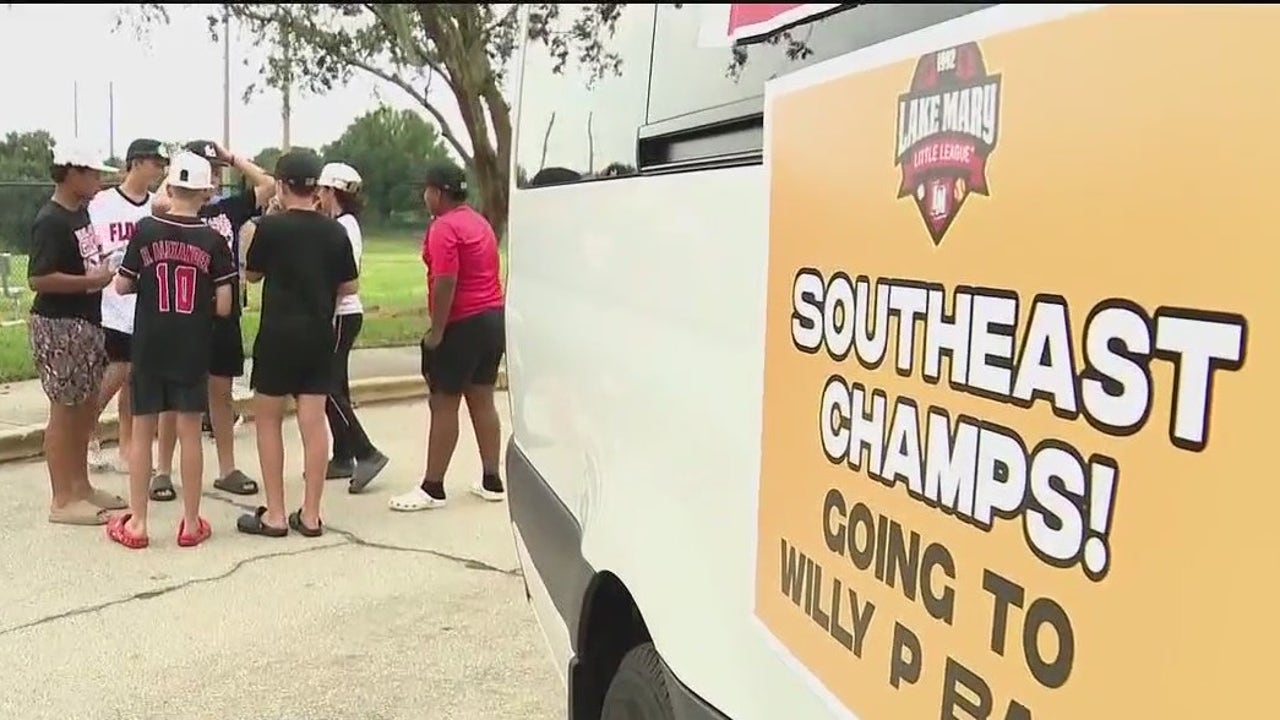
point(351, 287)
point(264, 186)
point(442, 292)
point(125, 285)
point(222, 300)
point(64, 284)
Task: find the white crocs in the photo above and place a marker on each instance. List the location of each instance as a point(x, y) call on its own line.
point(415, 500)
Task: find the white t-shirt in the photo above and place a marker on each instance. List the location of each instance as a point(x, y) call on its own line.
point(350, 304)
point(114, 217)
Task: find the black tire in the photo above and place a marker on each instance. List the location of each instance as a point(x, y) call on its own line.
point(639, 689)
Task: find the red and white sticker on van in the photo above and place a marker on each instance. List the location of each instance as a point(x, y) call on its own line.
point(727, 24)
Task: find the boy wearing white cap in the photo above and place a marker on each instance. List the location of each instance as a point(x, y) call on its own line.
point(183, 275)
point(115, 213)
point(67, 273)
point(354, 456)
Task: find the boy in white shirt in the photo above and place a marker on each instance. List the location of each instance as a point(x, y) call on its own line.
point(115, 213)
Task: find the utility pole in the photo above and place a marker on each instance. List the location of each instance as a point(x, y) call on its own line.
point(286, 88)
point(226, 86)
point(111, 117)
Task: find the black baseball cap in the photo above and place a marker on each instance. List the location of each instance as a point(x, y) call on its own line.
point(448, 177)
point(205, 149)
point(146, 148)
point(299, 168)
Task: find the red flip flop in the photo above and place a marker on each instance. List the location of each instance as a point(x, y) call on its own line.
point(118, 533)
point(202, 533)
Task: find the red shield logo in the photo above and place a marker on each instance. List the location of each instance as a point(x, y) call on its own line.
point(948, 126)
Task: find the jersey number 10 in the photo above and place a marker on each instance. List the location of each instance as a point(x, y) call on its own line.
point(180, 285)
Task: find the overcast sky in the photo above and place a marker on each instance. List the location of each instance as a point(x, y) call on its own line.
point(167, 86)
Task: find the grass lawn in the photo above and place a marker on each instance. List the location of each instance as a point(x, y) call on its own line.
point(392, 289)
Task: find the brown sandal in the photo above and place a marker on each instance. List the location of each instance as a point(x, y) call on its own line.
point(80, 512)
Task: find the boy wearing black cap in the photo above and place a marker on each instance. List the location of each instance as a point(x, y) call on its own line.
point(226, 361)
point(305, 261)
point(115, 213)
point(462, 352)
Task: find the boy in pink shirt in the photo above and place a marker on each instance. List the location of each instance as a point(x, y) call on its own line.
point(462, 352)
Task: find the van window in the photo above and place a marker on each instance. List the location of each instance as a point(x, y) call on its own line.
point(687, 78)
point(572, 128)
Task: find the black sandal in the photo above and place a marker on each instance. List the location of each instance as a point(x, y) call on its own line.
point(253, 525)
point(295, 522)
point(161, 489)
point(237, 483)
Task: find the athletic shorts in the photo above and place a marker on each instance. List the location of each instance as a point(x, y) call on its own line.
point(226, 355)
point(284, 366)
point(119, 345)
point(69, 356)
point(152, 395)
point(469, 354)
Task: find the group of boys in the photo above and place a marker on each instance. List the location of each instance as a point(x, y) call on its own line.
point(170, 323)
point(115, 213)
point(125, 303)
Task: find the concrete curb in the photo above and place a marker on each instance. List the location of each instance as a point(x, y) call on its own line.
point(27, 442)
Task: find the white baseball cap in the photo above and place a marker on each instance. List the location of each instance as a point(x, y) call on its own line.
point(189, 170)
point(340, 176)
point(78, 156)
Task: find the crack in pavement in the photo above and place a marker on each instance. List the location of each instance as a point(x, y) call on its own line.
point(159, 592)
point(348, 539)
point(354, 539)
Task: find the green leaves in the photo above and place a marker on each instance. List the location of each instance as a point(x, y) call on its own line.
point(390, 149)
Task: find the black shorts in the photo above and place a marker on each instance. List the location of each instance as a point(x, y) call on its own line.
point(153, 395)
point(299, 366)
point(226, 350)
point(469, 354)
point(119, 345)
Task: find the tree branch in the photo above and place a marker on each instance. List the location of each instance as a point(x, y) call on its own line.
point(446, 130)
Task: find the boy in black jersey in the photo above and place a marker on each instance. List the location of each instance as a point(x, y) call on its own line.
point(183, 274)
point(305, 259)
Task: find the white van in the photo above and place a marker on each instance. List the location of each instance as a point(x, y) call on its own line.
point(869, 375)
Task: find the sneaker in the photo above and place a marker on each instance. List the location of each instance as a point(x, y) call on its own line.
point(367, 468)
point(339, 470)
point(490, 488)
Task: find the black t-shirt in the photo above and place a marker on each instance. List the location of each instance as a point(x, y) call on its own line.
point(227, 216)
point(63, 241)
point(177, 263)
point(303, 257)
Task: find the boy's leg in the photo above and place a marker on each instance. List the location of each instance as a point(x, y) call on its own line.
point(147, 397)
point(312, 390)
point(188, 402)
point(118, 346)
point(226, 363)
point(124, 410)
point(448, 369)
point(166, 445)
point(337, 407)
point(268, 418)
point(271, 384)
point(491, 335)
point(70, 368)
point(139, 472)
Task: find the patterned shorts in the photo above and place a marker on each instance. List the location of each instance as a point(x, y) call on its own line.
point(70, 357)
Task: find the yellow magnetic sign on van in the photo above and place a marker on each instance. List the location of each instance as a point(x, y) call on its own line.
point(1021, 367)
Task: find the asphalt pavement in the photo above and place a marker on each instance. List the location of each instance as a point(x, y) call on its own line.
point(387, 617)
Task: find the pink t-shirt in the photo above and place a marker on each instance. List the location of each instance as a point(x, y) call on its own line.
point(461, 243)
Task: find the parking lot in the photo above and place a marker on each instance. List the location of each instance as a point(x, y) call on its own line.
point(388, 616)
